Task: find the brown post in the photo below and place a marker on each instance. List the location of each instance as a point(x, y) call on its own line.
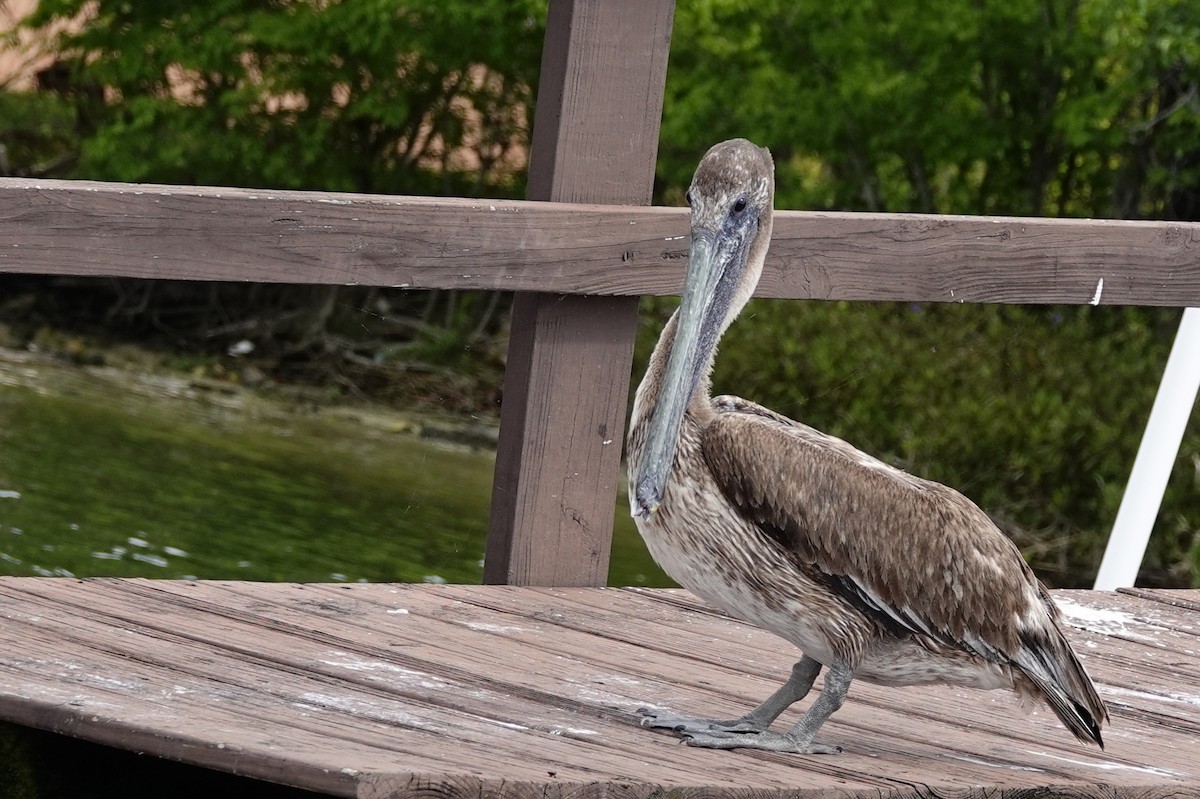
point(595, 140)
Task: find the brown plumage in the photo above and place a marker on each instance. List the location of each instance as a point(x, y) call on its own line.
point(872, 572)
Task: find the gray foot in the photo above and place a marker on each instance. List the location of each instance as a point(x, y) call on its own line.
point(766, 740)
point(686, 725)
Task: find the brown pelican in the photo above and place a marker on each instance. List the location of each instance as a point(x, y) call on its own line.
point(870, 571)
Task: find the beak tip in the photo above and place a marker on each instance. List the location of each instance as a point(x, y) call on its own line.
point(646, 501)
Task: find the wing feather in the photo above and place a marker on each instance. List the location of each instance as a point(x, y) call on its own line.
point(914, 555)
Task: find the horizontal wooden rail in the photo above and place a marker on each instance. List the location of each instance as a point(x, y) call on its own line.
point(144, 231)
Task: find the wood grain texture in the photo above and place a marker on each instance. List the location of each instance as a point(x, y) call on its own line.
point(410, 691)
point(599, 105)
point(595, 139)
point(561, 426)
point(109, 229)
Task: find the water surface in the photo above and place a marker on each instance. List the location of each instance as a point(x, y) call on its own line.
point(110, 473)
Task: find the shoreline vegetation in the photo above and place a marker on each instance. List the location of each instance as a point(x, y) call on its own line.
point(235, 382)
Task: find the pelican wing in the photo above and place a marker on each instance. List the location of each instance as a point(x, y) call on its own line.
point(915, 556)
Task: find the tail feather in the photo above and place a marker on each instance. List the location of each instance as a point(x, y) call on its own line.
point(1059, 679)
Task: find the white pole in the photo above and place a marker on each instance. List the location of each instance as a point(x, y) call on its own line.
point(1155, 457)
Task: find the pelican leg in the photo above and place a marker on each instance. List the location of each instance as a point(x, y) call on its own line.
point(804, 672)
point(798, 739)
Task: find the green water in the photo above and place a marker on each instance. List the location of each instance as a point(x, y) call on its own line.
point(104, 473)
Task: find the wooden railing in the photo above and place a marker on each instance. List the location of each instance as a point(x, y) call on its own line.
point(577, 257)
point(68, 227)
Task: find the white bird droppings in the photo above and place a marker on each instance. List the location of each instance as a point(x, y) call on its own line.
point(494, 628)
point(1110, 766)
point(1169, 696)
point(1099, 291)
point(1105, 622)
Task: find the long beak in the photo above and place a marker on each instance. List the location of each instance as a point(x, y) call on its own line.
point(698, 325)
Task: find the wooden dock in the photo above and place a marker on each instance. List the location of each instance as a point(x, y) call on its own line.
point(415, 691)
point(424, 690)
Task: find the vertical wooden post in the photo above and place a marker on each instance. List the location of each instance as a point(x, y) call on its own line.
point(595, 140)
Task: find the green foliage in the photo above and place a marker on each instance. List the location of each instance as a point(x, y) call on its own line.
point(1040, 107)
point(370, 95)
point(37, 133)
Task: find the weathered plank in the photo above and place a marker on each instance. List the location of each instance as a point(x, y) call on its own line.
point(595, 139)
point(404, 691)
point(110, 229)
point(561, 432)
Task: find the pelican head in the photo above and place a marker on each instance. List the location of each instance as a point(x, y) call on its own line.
point(731, 196)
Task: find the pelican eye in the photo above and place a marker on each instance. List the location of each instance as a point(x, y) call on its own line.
point(739, 205)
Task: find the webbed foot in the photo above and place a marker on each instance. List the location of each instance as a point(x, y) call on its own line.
point(750, 731)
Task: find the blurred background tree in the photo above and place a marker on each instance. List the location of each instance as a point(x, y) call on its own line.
point(1027, 107)
point(366, 96)
point(371, 96)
